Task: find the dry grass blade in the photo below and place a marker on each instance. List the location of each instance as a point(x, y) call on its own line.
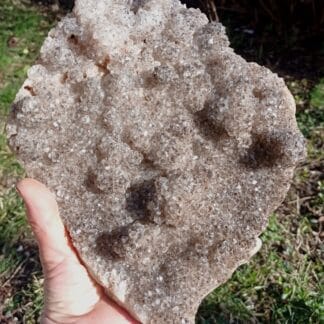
point(210, 9)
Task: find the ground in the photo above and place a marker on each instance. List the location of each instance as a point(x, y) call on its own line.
point(283, 283)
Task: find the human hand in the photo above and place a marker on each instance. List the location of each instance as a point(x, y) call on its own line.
point(71, 295)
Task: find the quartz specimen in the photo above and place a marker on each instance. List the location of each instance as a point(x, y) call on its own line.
point(166, 150)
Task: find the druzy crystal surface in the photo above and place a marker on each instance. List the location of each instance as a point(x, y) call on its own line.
point(166, 151)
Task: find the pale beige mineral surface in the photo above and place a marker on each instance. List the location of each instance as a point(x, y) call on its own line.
point(166, 150)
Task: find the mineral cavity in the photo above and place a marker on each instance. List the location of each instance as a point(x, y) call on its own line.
point(166, 150)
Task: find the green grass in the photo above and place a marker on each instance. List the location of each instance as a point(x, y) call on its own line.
point(22, 30)
point(311, 103)
point(282, 284)
point(317, 97)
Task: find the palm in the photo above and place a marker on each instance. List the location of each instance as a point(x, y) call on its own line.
point(71, 295)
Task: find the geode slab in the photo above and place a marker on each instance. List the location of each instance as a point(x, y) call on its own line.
point(166, 150)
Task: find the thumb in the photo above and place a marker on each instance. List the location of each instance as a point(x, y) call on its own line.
point(43, 216)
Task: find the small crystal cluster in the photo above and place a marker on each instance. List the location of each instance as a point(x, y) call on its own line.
point(166, 150)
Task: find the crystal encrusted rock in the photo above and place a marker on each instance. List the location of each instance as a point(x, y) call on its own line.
point(166, 151)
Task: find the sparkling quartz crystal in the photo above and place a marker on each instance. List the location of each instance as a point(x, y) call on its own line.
point(166, 151)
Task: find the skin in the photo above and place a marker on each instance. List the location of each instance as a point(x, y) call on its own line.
point(71, 295)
